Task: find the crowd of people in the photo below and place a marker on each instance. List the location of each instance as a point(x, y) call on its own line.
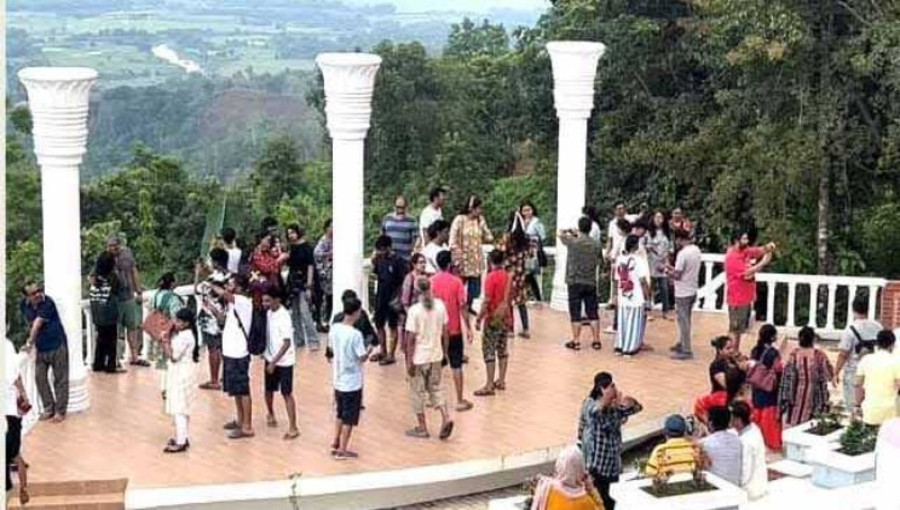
point(275, 298)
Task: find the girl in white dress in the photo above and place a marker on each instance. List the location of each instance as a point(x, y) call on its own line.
point(183, 354)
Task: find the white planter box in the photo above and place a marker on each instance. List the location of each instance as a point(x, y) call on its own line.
point(798, 442)
point(631, 495)
point(832, 469)
point(513, 503)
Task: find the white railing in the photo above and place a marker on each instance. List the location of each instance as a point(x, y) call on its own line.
point(780, 296)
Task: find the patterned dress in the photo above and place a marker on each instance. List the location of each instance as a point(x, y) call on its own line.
point(466, 237)
point(324, 263)
point(515, 266)
point(804, 385)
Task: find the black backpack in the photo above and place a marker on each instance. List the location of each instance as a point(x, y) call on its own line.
point(256, 338)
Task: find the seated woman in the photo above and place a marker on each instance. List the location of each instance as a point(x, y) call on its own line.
point(726, 377)
point(570, 487)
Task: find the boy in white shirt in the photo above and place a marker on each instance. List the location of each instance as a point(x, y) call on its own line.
point(754, 473)
point(350, 353)
point(438, 234)
point(280, 359)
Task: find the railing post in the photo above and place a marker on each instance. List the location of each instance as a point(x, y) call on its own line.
point(873, 297)
point(771, 285)
point(813, 304)
point(709, 303)
point(829, 314)
point(792, 301)
point(851, 295)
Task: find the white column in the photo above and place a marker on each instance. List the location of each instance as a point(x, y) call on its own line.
point(58, 99)
point(349, 81)
point(574, 67)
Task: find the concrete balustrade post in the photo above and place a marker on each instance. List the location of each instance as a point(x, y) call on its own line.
point(58, 98)
point(349, 82)
point(574, 68)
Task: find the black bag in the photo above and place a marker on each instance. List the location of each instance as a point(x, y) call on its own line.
point(541, 255)
point(256, 339)
point(862, 347)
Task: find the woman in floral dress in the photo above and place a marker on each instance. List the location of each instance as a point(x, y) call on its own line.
point(804, 382)
point(468, 232)
point(517, 249)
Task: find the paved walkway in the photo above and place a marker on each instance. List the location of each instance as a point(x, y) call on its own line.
point(124, 431)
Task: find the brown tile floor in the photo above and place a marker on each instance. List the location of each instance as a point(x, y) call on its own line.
point(124, 431)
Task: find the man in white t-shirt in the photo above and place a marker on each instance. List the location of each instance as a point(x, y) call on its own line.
point(633, 280)
point(856, 341)
point(238, 319)
point(438, 235)
point(350, 353)
point(432, 212)
point(280, 359)
point(754, 473)
point(427, 339)
point(685, 275)
point(234, 253)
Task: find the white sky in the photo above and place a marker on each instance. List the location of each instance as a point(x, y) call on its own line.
point(457, 5)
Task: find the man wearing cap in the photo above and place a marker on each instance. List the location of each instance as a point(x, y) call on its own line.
point(676, 455)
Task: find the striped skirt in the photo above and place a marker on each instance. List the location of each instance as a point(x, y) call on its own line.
point(630, 335)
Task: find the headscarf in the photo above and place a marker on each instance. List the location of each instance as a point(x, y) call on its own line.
point(568, 479)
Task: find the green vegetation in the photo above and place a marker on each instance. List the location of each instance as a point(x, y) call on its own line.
point(782, 115)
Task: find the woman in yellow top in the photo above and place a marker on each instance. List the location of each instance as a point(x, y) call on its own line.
point(877, 381)
point(468, 232)
point(570, 488)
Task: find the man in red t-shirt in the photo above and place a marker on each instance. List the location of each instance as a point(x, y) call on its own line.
point(495, 318)
point(742, 262)
point(451, 291)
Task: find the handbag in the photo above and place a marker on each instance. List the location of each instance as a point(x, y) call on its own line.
point(762, 377)
point(157, 325)
point(542, 255)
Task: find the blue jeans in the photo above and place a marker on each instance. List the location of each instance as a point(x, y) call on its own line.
point(304, 326)
point(662, 286)
point(473, 288)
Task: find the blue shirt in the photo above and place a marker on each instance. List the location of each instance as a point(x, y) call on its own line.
point(51, 335)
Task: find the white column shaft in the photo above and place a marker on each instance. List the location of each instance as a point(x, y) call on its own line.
point(570, 191)
point(348, 218)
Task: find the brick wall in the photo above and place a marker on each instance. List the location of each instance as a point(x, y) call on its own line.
point(890, 305)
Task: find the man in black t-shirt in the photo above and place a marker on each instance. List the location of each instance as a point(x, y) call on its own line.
point(390, 270)
point(301, 272)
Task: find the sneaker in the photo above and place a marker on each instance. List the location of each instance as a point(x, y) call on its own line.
point(682, 355)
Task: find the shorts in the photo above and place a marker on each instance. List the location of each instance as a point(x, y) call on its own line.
point(493, 343)
point(384, 314)
point(281, 379)
point(349, 404)
point(455, 351)
point(212, 341)
point(236, 377)
point(13, 445)
point(425, 387)
point(130, 315)
point(738, 318)
point(582, 295)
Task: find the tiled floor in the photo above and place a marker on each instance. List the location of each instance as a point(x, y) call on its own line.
point(124, 431)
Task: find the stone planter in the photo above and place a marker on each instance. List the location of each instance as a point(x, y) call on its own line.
point(512, 503)
point(832, 469)
point(798, 442)
point(631, 494)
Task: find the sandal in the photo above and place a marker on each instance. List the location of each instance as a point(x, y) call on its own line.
point(387, 361)
point(210, 386)
point(596, 345)
point(572, 344)
point(175, 448)
point(377, 357)
point(500, 386)
point(271, 421)
point(239, 434)
point(464, 405)
point(232, 425)
point(291, 435)
point(446, 430)
point(483, 392)
point(418, 433)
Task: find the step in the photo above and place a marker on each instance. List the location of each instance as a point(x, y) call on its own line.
point(74, 495)
point(792, 468)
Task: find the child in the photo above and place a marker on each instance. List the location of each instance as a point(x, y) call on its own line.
point(182, 353)
point(280, 359)
point(350, 352)
point(496, 319)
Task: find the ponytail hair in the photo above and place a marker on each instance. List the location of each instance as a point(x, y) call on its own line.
point(186, 315)
point(424, 286)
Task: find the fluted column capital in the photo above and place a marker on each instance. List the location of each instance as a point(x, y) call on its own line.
point(349, 81)
point(58, 98)
point(574, 68)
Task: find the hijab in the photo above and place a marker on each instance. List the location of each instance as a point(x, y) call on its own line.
point(568, 479)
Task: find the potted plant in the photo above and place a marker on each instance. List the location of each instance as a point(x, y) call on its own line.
point(824, 429)
point(697, 490)
point(850, 461)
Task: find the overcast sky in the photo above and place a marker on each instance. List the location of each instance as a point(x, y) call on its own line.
point(458, 5)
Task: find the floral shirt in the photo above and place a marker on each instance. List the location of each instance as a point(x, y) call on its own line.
point(322, 255)
point(466, 237)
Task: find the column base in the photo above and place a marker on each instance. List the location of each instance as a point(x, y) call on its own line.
point(79, 398)
point(559, 299)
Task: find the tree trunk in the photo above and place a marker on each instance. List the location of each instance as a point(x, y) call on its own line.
point(824, 266)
